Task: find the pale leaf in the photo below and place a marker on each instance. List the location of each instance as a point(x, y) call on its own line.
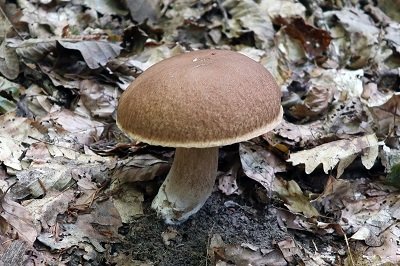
point(330, 154)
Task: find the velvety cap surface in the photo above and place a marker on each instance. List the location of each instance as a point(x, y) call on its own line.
point(200, 99)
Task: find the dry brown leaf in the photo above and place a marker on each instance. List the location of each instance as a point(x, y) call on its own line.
point(140, 168)
point(330, 154)
point(247, 15)
point(109, 7)
point(128, 201)
point(294, 198)
point(99, 99)
point(101, 225)
point(314, 41)
point(95, 53)
point(19, 218)
point(316, 103)
point(46, 209)
point(386, 115)
point(9, 64)
point(353, 26)
point(301, 135)
point(260, 164)
point(15, 132)
point(71, 127)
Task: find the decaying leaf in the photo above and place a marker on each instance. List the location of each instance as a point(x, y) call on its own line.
point(46, 210)
point(140, 168)
point(15, 132)
point(19, 218)
point(100, 100)
point(128, 201)
point(330, 154)
point(144, 9)
point(260, 164)
point(98, 226)
point(244, 254)
point(357, 28)
point(314, 41)
point(249, 16)
point(95, 53)
point(301, 134)
point(107, 7)
point(295, 200)
point(227, 181)
point(9, 64)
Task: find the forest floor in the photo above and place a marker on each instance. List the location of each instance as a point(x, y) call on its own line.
point(320, 189)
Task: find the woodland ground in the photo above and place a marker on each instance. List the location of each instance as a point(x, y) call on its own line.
point(320, 189)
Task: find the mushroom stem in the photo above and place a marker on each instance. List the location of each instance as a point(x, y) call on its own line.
point(188, 184)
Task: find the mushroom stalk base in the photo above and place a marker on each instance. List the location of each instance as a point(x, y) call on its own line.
point(188, 184)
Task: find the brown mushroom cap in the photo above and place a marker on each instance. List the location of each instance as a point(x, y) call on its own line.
point(201, 99)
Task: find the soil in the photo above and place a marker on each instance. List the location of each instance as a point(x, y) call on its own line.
point(232, 217)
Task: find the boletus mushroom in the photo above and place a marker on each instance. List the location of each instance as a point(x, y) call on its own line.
point(196, 102)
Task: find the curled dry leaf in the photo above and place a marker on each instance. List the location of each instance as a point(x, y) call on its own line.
point(141, 10)
point(247, 15)
point(72, 127)
point(295, 200)
point(99, 99)
point(95, 53)
point(46, 210)
point(330, 154)
point(260, 164)
point(353, 26)
point(315, 41)
point(140, 168)
point(108, 7)
point(301, 135)
point(386, 116)
point(34, 50)
point(9, 64)
point(316, 103)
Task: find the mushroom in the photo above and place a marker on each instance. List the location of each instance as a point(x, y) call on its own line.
point(195, 102)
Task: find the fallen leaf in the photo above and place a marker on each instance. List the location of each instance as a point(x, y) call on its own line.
point(101, 225)
point(315, 41)
point(19, 218)
point(141, 10)
point(9, 64)
point(107, 7)
point(330, 154)
point(294, 198)
point(260, 164)
point(95, 53)
point(128, 201)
